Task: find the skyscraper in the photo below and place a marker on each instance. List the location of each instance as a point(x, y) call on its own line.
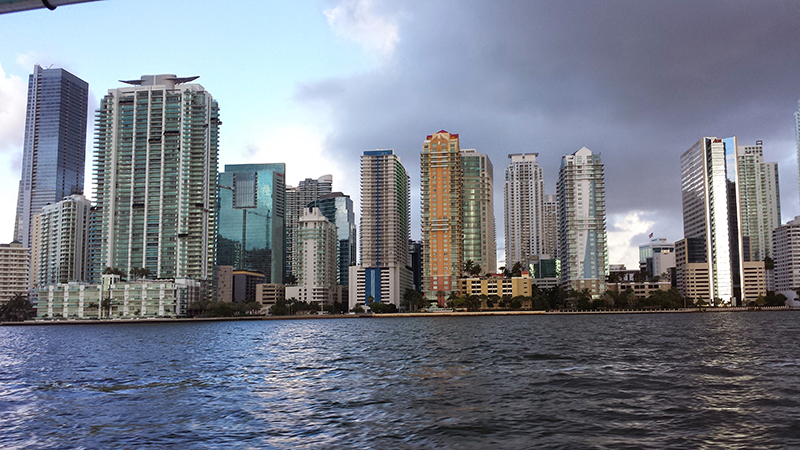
point(385, 209)
point(480, 244)
point(250, 232)
point(583, 248)
point(315, 259)
point(384, 231)
point(708, 213)
point(63, 252)
point(338, 209)
point(550, 226)
point(759, 201)
point(442, 187)
point(523, 196)
point(297, 198)
point(156, 148)
point(54, 150)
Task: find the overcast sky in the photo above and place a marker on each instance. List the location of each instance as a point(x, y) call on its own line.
point(313, 84)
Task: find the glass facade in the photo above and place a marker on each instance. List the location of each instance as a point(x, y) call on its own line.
point(54, 151)
point(251, 219)
point(478, 210)
point(707, 211)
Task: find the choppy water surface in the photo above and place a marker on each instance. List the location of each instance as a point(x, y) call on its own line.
point(725, 380)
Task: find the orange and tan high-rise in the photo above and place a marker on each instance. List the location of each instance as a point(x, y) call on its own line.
point(442, 227)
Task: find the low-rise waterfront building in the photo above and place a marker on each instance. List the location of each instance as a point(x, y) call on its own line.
point(641, 289)
point(495, 285)
point(113, 298)
point(269, 293)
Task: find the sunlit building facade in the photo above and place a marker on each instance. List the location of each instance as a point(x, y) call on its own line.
point(442, 182)
point(251, 229)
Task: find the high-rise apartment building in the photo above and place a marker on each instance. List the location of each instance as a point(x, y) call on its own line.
point(442, 183)
point(297, 198)
point(480, 241)
point(385, 229)
point(786, 242)
point(385, 210)
point(315, 264)
point(250, 232)
point(523, 195)
point(583, 248)
point(156, 149)
point(338, 209)
point(759, 201)
point(54, 150)
point(550, 226)
point(63, 252)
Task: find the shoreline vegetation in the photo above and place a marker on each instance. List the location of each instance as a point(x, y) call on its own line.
point(396, 315)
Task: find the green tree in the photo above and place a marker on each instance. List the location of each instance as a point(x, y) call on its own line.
point(358, 309)
point(413, 300)
point(18, 309)
point(516, 271)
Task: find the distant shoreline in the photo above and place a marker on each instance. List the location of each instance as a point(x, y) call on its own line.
point(388, 316)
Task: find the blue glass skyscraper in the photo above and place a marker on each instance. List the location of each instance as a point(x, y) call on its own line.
point(54, 150)
point(252, 207)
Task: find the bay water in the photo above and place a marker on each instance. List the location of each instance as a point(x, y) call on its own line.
point(639, 381)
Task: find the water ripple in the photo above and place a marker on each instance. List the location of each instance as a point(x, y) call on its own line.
point(604, 382)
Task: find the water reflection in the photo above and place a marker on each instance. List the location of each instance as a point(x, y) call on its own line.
point(643, 381)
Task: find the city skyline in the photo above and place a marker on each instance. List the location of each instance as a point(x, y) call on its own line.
point(562, 92)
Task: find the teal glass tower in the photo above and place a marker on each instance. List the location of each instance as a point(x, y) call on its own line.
point(252, 207)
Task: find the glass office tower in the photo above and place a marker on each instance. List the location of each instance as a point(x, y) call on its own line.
point(252, 208)
point(54, 150)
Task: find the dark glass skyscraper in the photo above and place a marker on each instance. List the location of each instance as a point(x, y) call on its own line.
point(55, 144)
point(252, 207)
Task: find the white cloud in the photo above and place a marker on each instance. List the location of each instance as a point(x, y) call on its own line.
point(299, 147)
point(357, 21)
point(622, 249)
point(13, 92)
